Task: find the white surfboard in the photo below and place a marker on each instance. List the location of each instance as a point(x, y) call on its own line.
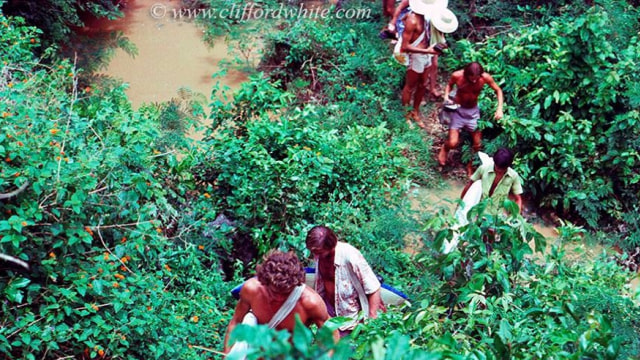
point(240, 348)
point(470, 199)
point(390, 295)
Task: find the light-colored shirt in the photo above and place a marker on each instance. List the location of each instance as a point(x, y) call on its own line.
point(348, 258)
point(510, 183)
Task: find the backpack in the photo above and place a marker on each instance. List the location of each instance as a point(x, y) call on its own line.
point(398, 55)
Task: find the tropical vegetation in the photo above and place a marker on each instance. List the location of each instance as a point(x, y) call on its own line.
point(121, 238)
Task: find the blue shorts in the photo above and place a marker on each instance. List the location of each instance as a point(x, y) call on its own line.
point(465, 118)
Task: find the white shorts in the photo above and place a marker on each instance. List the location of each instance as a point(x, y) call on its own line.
point(419, 62)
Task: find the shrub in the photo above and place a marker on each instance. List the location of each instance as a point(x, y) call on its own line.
point(572, 118)
point(93, 219)
point(281, 174)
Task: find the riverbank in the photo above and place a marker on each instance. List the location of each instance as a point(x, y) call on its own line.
point(171, 55)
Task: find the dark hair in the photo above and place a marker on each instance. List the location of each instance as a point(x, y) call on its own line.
point(281, 271)
point(503, 158)
point(473, 69)
point(321, 237)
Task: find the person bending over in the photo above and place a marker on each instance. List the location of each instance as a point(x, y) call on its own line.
point(344, 279)
point(469, 83)
point(280, 283)
point(499, 182)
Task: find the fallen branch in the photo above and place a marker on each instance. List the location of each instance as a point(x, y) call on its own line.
point(24, 327)
point(14, 192)
point(15, 261)
point(209, 350)
point(119, 225)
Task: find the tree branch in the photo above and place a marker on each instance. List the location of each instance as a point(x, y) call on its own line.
point(15, 261)
point(14, 192)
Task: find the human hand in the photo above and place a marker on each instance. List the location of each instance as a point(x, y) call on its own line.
point(391, 27)
point(498, 114)
point(439, 48)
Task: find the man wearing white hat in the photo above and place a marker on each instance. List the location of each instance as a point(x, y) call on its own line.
point(417, 41)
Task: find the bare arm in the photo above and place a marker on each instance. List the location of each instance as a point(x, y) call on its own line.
point(392, 23)
point(242, 308)
point(409, 32)
point(452, 81)
point(489, 80)
point(518, 200)
point(318, 314)
point(375, 303)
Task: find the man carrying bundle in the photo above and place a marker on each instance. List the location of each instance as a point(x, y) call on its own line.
point(277, 295)
point(469, 83)
point(417, 41)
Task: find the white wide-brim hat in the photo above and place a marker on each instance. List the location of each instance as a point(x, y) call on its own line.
point(444, 20)
point(427, 7)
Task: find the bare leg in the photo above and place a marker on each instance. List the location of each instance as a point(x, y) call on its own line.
point(476, 140)
point(451, 143)
point(411, 82)
point(417, 99)
point(433, 77)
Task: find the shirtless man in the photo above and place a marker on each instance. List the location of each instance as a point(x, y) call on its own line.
point(432, 71)
point(415, 42)
point(338, 266)
point(277, 277)
point(469, 83)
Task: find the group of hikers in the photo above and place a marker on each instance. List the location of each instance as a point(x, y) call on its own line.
point(345, 284)
point(419, 27)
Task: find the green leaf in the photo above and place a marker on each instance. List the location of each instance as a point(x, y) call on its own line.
point(97, 287)
point(20, 283)
point(505, 331)
point(117, 306)
point(377, 349)
point(302, 337)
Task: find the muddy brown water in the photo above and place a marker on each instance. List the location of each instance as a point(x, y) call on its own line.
point(171, 54)
point(445, 197)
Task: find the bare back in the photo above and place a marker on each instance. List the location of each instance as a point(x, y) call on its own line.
point(310, 307)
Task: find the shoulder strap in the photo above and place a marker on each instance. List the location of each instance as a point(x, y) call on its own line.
point(287, 306)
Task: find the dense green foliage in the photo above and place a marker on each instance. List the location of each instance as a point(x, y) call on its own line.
point(57, 18)
point(117, 220)
point(93, 222)
point(112, 223)
point(571, 89)
point(491, 302)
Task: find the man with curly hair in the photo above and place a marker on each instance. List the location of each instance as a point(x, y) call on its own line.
point(278, 295)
